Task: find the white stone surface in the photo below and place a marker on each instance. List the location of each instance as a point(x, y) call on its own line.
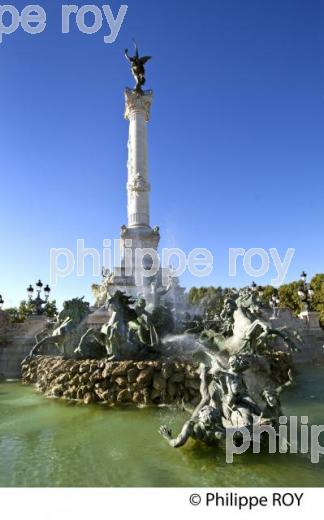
point(137, 112)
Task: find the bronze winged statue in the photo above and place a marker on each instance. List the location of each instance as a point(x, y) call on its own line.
point(137, 66)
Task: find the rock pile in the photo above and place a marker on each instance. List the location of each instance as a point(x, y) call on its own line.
point(138, 382)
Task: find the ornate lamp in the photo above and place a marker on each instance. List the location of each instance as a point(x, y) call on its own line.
point(39, 286)
point(47, 291)
point(38, 302)
point(305, 292)
point(30, 291)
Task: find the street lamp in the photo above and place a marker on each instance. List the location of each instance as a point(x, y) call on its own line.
point(274, 304)
point(38, 302)
point(305, 292)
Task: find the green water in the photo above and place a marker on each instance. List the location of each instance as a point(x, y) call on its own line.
point(45, 442)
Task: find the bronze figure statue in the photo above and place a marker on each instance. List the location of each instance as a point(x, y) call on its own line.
point(137, 66)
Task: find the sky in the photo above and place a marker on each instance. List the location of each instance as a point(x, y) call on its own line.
point(236, 150)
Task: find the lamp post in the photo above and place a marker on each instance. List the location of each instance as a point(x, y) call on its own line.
point(38, 302)
point(274, 304)
point(305, 292)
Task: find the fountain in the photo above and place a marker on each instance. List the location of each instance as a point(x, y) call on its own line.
point(139, 346)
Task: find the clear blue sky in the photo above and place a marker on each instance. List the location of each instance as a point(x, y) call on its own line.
point(235, 139)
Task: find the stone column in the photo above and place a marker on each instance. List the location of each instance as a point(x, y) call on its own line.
point(138, 112)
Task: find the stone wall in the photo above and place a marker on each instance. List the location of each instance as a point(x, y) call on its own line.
point(18, 342)
point(138, 382)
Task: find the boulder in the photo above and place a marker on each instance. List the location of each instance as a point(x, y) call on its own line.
point(124, 396)
point(167, 370)
point(145, 377)
point(75, 380)
point(141, 365)
point(155, 394)
point(81, 391)
point(85, 367)
point(73, 392)
point(57, 390)
point(84, 378)
point(109, 396)
point(74, 369)
point(159, 382)
point(96, 376)
point(107, 371)
point(62, 378)
point(132, 374)
point(121, 381)
point(137, 397)
point(89, 397)
point(121, 368)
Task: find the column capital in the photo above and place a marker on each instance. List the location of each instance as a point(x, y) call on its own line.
point(138, 101)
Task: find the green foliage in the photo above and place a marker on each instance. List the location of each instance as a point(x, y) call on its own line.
point(289, 299)
point(50, 309)
point(208, 299)
point(26, 309)
point(14, 315)
point(268, 291)
point(317, 284)
point(18, 315)
point(211, 299)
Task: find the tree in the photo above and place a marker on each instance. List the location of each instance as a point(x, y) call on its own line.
point(207, 299)
point(289, 299)
point(317, 284)
point(268, 291)
point(19, 314)
point(25, 309)
point(50, 309)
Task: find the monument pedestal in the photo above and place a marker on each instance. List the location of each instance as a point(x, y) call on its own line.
point(138, 238)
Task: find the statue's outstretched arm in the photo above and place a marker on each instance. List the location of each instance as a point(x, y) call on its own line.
point(205, 398)
point(182, 437)
point(127, 56)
